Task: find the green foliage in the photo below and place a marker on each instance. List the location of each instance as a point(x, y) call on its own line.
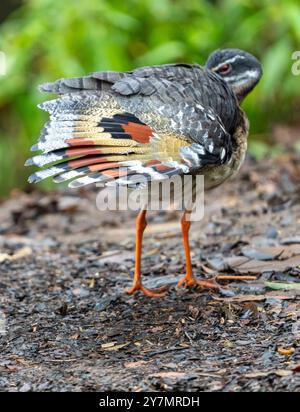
point(48, 39)
point(260, 149)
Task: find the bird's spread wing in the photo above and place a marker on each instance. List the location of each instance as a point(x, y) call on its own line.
point(116, 126)
point(169, 83)
point(137, 79)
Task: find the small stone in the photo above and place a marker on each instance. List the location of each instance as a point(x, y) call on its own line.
point(25, 388)
point(286, 221)
point(80, 292)
point(271, 233)
point(227, 292)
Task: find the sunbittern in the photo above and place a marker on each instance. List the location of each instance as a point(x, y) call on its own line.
point(156, 121)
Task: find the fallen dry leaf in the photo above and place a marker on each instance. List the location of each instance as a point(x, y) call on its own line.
point(272, 252)
point(21, 253)
point(279, 372)
point(115, 256)
point(252, 298)
point(156, 329)
point(134, 364)
point(12, 368)
point(170, 375)
point(283, 372)
point(242, 265)
point(4, 256)
point(92, 283)
point(254, 375)
point(286, 351)
point(291, 240)
point(110, 347)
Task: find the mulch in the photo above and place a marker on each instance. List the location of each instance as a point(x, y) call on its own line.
point(67, 325)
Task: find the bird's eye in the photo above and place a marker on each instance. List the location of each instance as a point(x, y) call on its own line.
point(225, 69)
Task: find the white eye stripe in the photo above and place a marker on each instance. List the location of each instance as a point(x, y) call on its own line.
point(249, 74)
point(232, 60)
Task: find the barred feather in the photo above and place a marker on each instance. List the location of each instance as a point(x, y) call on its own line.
point(156, 121)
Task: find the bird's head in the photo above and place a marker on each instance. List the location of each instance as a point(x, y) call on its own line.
point(239, 69)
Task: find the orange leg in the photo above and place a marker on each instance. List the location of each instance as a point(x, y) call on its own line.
point(189, 280)
point(141, 224)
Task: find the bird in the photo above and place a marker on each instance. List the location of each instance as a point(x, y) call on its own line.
point(156, 122)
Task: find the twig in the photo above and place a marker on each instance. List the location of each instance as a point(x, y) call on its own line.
point(235, 277)
point(166, 350)
point(60, 360)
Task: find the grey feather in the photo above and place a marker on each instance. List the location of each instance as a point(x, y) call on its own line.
point(187, 100)
point(190, 83)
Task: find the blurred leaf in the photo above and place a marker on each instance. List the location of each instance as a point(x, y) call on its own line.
point(285, 286)
point(260, 149)
point(162, 53)
point(276, 62)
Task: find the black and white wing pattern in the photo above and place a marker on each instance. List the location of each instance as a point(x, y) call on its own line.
point(155, 121)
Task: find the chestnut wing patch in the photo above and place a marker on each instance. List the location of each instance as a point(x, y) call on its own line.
point(127, 126)
point(86, 147)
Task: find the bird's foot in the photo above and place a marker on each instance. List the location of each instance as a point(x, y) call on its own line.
point(151, 293)
point(190, 282)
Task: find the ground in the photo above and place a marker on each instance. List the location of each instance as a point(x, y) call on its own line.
point(67, 324)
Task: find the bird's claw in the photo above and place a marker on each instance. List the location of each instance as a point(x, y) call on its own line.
point(152, 293)
point(190, 282)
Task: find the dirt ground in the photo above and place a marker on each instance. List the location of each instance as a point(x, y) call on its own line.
point(67, 325)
